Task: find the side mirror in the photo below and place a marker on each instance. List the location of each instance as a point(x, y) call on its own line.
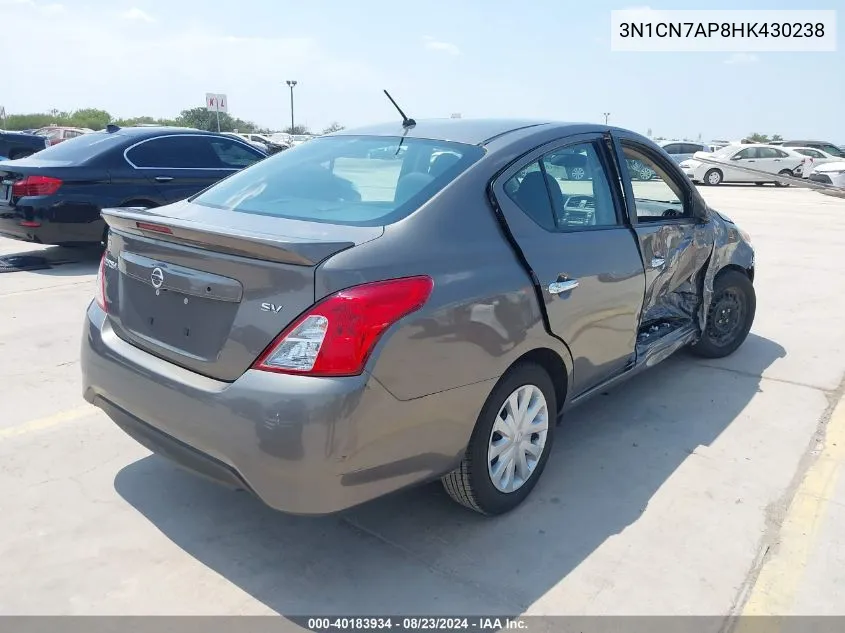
point(737, 157)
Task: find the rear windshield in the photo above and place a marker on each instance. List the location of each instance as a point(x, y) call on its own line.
point(353, 180)
point(80, 149)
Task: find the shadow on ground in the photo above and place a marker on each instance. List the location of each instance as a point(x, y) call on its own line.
point(417, 552)
point(59, 261)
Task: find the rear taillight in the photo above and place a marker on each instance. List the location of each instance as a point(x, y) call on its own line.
point(36, 186)
point(100, 291)
point(337, 335)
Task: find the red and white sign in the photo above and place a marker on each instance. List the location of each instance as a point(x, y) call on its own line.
point(216, 102)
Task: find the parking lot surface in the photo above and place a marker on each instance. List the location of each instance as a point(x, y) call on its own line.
point(699, 487)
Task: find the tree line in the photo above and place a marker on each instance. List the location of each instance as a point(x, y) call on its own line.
point(756, 137)
point(95, 119)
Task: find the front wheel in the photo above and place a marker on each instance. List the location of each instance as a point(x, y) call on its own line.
point(510, 444)
point(729, 316)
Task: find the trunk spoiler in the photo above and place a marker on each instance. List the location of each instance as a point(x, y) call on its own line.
point(283, 249)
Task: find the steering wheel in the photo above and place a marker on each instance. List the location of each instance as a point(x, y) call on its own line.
point(671, 213)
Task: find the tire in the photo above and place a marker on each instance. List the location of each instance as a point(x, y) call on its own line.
point(713, 177)
point(734, 292)
point(471, 484)
point(783, 172)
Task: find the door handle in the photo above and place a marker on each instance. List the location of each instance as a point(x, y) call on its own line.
point(164, 178)
point(751, 160)
point(558, 287)
point(657, 262)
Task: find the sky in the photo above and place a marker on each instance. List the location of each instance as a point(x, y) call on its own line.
point(547, 59)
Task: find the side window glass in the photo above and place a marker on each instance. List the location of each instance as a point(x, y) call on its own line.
point(234, 155)
point(175, 152)
point(749, 152)
point(673, 148)
point(768, 152)
point(527, 188)
point(579, 186)
point(657, 197)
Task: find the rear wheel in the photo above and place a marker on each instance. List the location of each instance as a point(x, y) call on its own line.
point(510, 444)
point(783, 172)
point(713, 177)
point(729, 316)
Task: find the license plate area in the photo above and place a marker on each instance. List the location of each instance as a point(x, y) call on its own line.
point(188, 324)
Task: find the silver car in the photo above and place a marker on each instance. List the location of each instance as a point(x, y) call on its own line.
point(327, 327)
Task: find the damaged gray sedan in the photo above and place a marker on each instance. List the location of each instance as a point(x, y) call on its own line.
point(383, 307)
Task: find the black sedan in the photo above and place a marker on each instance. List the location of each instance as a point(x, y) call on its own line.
point(55, 196)
point(14, 145)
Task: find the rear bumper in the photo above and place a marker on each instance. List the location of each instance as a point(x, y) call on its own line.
point(40, 224)
point(303, 445)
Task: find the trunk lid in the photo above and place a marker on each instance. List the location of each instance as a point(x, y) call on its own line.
point(209, 289)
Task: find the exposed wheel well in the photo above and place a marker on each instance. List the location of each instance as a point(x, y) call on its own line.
point(553, 364)
point(748, 272)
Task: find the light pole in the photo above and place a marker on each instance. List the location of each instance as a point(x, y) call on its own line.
point(291, 84)
point(606, 115)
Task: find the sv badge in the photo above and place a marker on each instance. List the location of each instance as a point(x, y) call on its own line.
point(271, 307)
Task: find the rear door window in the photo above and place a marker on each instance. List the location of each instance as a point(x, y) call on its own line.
point(355, 180)
point(175, 152)
point(566, 190)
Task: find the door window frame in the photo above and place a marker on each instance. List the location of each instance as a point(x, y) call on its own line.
point(203, 136)
point(670, 168)
point(596, 139)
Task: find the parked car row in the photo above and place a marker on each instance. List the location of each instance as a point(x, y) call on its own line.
point(262, 142)
point(736, 162)
point(55, 196)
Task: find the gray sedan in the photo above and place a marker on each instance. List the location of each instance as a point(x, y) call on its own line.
point(327, 326)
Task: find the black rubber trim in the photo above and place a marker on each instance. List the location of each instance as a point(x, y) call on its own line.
point(175, 450)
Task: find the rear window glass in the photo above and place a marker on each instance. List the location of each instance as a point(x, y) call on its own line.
point(81, 148)
point(355, 180)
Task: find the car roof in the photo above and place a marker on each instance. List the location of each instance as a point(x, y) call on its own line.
point(141, 133)
point(814, 142)
point(466, 131)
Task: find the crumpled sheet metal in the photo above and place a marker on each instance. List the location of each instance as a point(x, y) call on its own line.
point(674, 294)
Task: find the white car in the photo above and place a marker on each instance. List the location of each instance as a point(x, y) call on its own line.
point(830, 174)
point(814, 158)
point(299, 139)
point(765, 158)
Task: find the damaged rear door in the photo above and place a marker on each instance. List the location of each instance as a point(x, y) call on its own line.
point(675, 242)
point(567, 224)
